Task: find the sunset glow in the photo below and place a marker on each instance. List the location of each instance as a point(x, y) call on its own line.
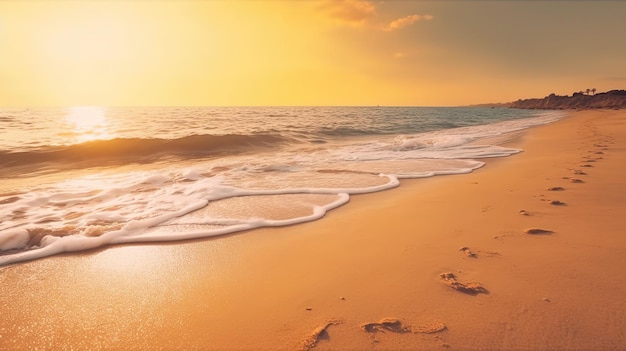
point(325, 52)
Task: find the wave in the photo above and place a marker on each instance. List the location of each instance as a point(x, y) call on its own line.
point(139, 150)
point(388, 129)
point(348, 131)
point(204, 199)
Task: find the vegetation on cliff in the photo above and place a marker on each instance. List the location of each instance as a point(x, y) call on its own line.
point(614, 99)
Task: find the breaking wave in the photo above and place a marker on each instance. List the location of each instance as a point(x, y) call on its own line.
point(139, 150)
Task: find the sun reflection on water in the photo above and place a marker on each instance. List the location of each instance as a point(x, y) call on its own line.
point(87, 123)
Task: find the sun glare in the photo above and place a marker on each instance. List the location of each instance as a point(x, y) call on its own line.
point(87, 123)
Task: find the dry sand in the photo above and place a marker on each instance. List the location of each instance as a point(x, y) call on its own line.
point(448, 262)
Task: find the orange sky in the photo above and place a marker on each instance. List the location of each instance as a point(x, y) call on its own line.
point(339, 52)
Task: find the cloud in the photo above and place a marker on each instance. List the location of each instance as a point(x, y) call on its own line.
point(406, 21)
point(351, 11)
point(360, 12)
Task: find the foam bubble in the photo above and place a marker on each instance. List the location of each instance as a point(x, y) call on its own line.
point(12, 239)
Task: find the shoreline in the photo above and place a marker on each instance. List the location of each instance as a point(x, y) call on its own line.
point(320, 283)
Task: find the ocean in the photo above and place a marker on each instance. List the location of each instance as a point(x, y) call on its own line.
point(73, 179)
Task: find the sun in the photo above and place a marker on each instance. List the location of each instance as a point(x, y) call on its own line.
point(87, 123)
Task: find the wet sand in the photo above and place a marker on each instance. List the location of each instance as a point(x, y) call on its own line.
point(524, 253)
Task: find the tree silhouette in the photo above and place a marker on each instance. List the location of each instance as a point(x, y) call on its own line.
point(588, 91)
point(593, 91)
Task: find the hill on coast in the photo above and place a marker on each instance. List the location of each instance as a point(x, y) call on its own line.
point(614, 99)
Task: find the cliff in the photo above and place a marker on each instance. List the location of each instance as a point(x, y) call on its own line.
point(614, 99)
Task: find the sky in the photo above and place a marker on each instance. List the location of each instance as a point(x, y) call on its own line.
point(306, 52)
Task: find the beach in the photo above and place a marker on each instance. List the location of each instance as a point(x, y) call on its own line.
point(450, 262)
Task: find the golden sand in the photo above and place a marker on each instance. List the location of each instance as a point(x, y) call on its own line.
point(385, 262)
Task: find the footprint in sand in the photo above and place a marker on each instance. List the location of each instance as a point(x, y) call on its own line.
point(394, 325)
point(487, 253)
point(555, 188)
point(578, 171)
point(470, 288)
point(386, 324)
point(538, 231)
point(467, 252)
point(554, 202)
point(319, 333)
point(574, 180)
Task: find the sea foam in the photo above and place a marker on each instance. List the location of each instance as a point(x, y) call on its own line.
point(224, 195)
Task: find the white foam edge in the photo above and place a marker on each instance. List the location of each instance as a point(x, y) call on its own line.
point(75, 243)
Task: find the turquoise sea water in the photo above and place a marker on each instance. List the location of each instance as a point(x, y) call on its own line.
point(84, 177)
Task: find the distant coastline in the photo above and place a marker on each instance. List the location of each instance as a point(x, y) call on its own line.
point(614, 99)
